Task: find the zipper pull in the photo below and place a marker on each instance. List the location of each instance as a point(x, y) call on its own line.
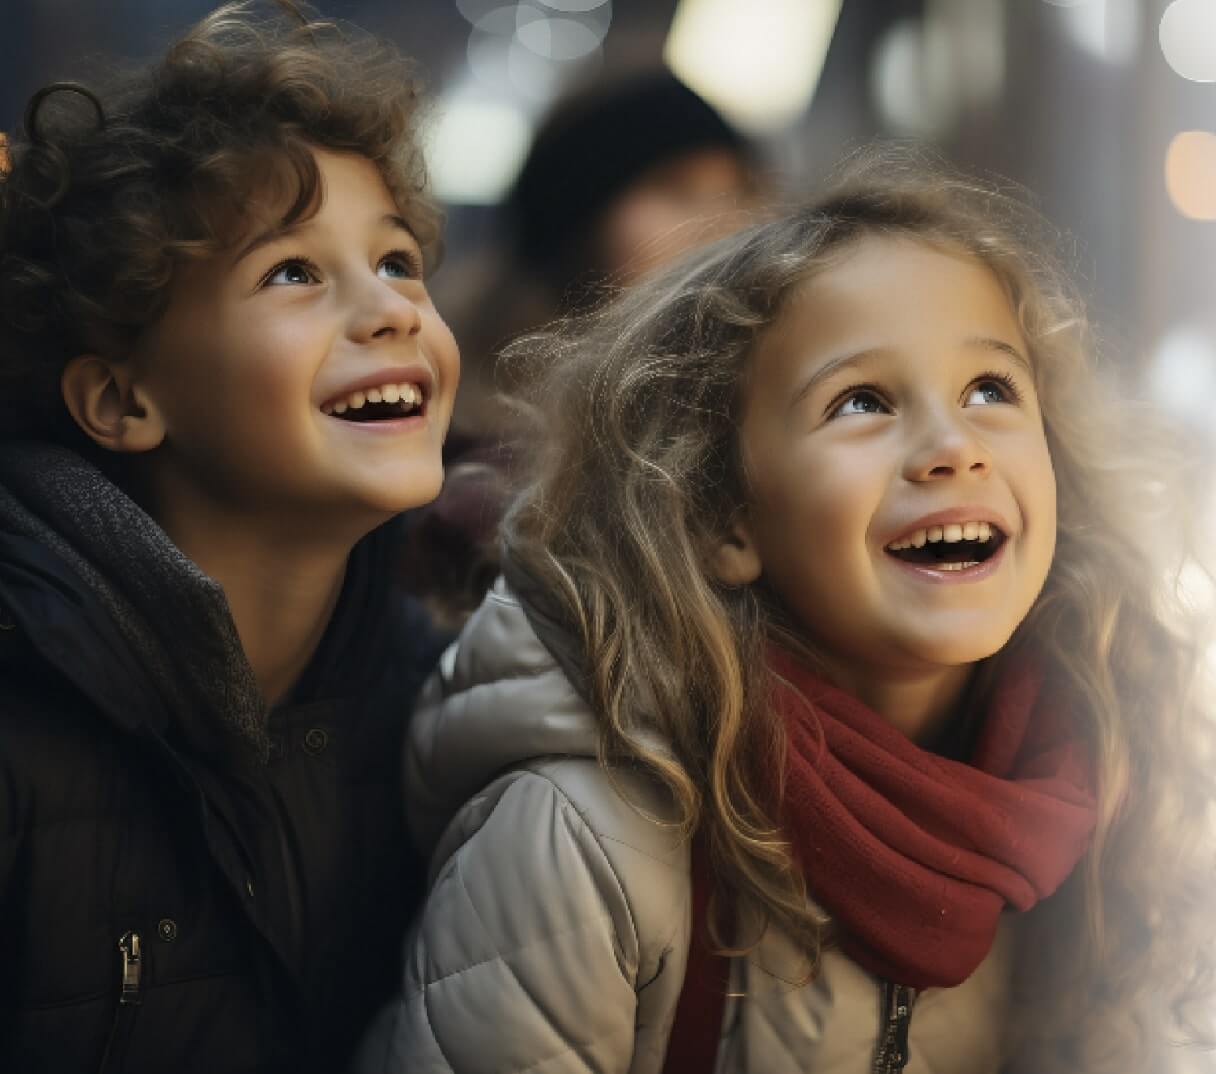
point(130, 946)
point(891, 1055)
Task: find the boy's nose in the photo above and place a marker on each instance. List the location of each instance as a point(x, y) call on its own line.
point(946, 446)
point(383, 311)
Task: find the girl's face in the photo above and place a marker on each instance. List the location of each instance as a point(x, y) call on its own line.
point(902, 496)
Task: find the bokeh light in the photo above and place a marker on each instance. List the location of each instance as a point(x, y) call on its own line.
point(1106, 29)
point(575, 6)
point(1188, 39)
point(1190, 174)
point(476, 148)
point(556, 38)
point(1181, 377)
point(758, 63)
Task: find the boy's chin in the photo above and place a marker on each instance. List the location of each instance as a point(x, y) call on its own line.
point(419, 489)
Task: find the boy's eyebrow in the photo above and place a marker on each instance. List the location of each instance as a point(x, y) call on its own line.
point(262, 238)
point(394, 220)
point(272, 234)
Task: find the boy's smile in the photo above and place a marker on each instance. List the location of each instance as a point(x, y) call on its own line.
point(306, 376)
point(902, 495)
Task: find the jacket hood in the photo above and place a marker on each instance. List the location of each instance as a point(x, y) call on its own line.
point(498, 699)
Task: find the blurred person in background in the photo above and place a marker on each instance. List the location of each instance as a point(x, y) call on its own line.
point(621, 177)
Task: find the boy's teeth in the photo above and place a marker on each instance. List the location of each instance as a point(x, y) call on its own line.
point(409, 394)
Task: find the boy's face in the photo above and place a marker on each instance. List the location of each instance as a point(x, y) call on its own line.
point(266, 360)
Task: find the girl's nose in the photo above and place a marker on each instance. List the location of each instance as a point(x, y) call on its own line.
point(946, 445)
point(384, 311)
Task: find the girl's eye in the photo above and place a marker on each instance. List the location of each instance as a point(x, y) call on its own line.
point(401, 265)
point(860, 401)
point(993, 388)
point(294, 271)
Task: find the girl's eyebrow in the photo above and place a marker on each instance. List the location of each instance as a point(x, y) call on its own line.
point(999, 345)
point(834, 365)
point(826, 370)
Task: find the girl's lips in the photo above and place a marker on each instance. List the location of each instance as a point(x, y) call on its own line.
point(930, 573)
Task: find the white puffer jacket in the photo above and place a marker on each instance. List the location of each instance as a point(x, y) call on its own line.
point(555, 936)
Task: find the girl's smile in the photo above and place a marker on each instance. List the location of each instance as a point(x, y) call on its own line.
point(963, 544)
point(902, 498)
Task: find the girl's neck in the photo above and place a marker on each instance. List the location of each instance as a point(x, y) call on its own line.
point(919, 706)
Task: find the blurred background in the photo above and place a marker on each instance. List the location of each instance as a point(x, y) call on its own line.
point(1104, 109)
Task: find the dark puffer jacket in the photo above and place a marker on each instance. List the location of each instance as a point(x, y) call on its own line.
point(187, 883)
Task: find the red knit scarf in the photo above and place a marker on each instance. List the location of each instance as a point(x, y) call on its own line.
point(913, 855)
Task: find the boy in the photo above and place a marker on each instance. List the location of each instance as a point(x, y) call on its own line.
point(222, 377)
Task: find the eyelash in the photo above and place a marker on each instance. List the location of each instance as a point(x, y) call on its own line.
point(411, 261)
point(1005, 380)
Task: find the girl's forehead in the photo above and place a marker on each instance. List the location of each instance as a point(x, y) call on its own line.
point(881, 290)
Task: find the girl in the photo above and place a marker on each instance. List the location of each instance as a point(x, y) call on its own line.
point(831, 718)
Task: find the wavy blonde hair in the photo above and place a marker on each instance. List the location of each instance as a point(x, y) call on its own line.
point(638, 473)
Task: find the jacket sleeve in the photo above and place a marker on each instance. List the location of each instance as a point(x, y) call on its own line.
point(525, 957)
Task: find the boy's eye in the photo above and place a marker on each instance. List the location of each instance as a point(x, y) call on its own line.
point(402, 265)
point(295, 271)
point(993, 388)
point(859, 401)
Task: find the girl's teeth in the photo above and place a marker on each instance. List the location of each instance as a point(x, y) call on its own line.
point(357, 399)
point(391, 393)
point(341, 408)
point(950, 533)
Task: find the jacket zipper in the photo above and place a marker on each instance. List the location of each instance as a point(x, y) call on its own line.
point(130, 949)
point(891, 1053)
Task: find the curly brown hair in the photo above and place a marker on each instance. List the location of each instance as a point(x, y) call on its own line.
point(637, 477)
point(109, 192)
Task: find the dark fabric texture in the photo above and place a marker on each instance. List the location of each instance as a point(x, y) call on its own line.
point(144, 788)
point(915, 855)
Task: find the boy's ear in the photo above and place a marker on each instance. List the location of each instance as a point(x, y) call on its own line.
point(103, 398)
point(736, 560)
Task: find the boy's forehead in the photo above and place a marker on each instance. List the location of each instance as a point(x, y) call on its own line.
point(283, 193)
